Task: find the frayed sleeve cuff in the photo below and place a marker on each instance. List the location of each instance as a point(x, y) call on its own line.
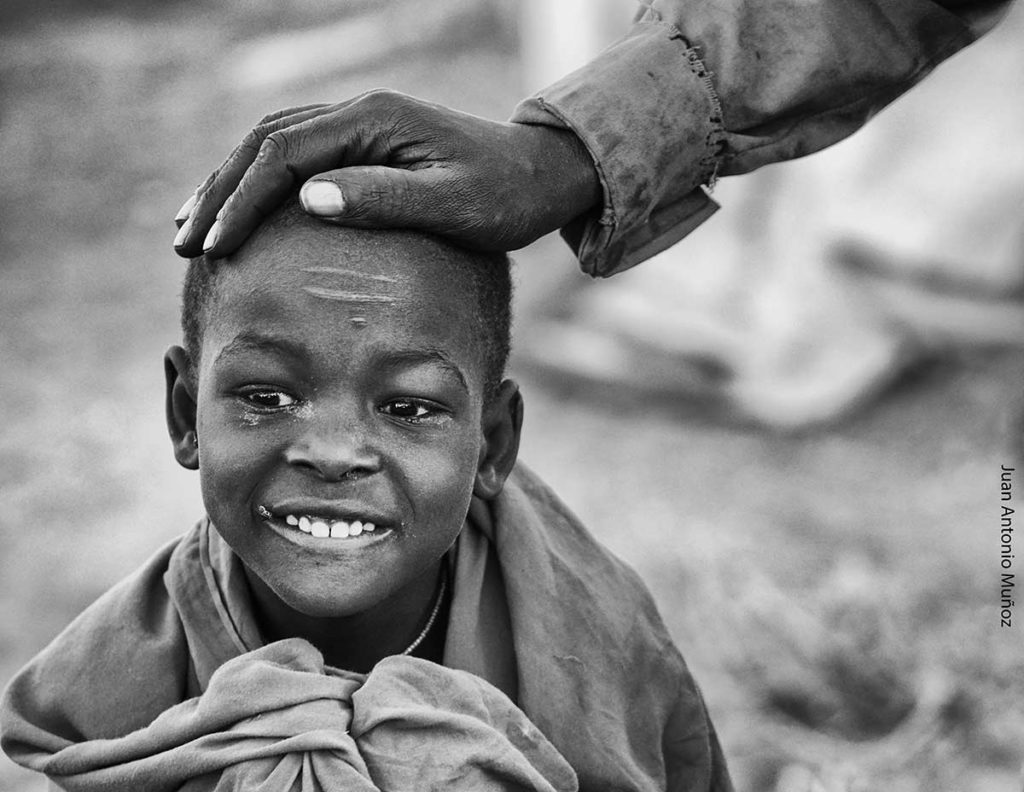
point(648, 114)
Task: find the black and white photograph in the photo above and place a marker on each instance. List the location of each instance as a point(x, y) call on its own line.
point(506, 395)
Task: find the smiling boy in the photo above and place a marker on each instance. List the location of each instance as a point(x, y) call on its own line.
point(376, 600)
point(324, 398)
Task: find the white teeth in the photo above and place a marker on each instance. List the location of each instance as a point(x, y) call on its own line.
point(321, 528)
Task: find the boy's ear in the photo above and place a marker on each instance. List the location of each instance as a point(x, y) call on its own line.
point(181, 408)
point(502, 423)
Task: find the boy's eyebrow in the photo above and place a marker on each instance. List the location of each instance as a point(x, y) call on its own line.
point(260, 342)
point(416, 356)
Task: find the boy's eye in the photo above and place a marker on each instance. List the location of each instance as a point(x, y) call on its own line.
point(415, 411)
point(267, 399)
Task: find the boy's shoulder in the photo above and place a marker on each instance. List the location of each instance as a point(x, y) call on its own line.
point(536, 531)
point(567, 589)
point(119, 664)
point(596, 664)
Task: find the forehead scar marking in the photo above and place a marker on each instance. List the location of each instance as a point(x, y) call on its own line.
point(348, 296)
point(349, 274)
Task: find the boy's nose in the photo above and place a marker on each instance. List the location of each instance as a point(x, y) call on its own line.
point(333, 453)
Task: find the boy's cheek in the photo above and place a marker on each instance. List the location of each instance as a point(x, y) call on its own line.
point(228, 432)
point(231, 463)
point(444, 462)
point(443, 483)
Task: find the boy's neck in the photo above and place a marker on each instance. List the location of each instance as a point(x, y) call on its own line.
point(360, 641)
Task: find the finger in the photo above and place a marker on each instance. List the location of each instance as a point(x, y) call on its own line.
point(186, 209)
point(383, 197)
point(183, 238)
point(222, 183)
point(290, 112)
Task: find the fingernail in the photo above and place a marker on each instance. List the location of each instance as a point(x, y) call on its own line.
point(179, 239)
point(211, 237)
point(186, 208)
point(322, 198)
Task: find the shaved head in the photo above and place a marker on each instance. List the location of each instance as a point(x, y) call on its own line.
point(485, 276)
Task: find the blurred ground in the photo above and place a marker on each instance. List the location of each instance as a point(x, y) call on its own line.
point(835, 592)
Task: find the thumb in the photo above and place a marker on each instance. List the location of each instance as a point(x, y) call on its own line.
point(382, 197)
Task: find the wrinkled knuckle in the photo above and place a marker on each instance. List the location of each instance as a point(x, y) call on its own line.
point(396, 199)
point(379, 95)
point(382, 101)
point(274, 149)
point(370, 204)
point(208, 182)
point(262, 132)
point(379, 201)
point(253, 140)
point(389, 113)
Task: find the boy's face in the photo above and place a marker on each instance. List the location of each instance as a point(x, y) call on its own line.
point(343, 388)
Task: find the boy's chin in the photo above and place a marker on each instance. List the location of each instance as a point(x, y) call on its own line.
point(315, 600)
point(333, 604)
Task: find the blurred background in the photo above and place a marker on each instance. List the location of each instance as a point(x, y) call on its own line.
point(792, 424)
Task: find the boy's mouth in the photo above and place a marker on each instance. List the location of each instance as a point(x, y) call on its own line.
point(319, 525)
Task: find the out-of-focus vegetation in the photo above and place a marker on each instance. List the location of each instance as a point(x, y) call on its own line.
point(835, 592)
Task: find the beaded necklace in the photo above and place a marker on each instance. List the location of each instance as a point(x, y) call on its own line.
point(442, 589)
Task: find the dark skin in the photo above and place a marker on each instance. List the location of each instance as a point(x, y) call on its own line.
point(397, 162)
point(342, 387)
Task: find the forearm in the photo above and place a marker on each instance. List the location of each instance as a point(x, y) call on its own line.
point(795, 76)
point(701, 89)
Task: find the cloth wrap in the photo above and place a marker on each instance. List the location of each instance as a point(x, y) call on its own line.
point(163, 684)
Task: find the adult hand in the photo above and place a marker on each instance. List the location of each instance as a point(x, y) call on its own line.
point(386, 160)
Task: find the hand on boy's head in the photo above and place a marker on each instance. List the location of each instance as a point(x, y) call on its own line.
point(386, 160)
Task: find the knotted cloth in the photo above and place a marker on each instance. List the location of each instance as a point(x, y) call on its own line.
point(273, 719)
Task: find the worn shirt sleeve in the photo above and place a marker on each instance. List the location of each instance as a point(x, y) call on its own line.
point(704, 88)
